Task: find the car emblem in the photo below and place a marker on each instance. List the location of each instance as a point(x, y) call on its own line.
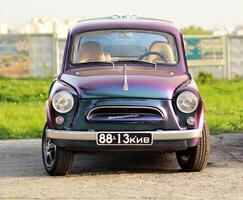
point(122, 117)
point(125, 84)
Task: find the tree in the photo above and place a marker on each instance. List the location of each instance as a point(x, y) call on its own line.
point(195, 30)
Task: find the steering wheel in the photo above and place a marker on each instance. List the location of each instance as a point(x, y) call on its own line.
point(154, 53)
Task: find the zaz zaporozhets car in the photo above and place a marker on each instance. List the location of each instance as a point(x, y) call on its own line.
point(124, 85)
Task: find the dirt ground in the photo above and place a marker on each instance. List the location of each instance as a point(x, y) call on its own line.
point(122, 175)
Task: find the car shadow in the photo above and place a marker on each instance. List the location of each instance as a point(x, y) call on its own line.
point(22, 158)
point(124, 162)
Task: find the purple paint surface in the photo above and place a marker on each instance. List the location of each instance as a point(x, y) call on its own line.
point(97, 85)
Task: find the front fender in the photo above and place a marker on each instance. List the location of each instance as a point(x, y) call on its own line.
point(51, 113)
point(198, 114)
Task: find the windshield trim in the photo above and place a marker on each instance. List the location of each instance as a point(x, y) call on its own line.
point(72, 65)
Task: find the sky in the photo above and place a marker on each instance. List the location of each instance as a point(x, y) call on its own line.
point(206, 13)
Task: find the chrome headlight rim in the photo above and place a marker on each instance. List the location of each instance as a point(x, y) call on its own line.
point(56, 96)
point(193, 95)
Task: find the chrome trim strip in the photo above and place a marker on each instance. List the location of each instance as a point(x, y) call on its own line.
point(125, 84)
point(157, 135)
point(163, 115)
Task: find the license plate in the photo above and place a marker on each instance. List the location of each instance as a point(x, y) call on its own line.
point(124, 139)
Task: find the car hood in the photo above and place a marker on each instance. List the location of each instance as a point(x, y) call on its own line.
point(133, 82)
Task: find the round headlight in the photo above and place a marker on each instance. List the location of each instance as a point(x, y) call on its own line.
point(187, 102)
point(62, 102)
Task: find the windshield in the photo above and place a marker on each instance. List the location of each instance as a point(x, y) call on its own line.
point(124, 45)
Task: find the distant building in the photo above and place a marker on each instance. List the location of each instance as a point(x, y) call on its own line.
point(43, 25)
point(60, 27)
point(4, 28)
point(223, 31)
point(238, 30)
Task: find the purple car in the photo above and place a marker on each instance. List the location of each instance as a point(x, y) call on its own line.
point(124, 86)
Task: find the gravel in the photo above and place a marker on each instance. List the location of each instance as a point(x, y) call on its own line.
point(122, 175)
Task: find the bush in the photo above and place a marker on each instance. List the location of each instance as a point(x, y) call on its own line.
point(204, 77)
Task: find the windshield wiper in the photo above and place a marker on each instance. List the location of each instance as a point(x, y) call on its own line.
point(139, 61)
point(95, 62)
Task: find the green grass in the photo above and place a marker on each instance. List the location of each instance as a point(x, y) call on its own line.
point(224, 105)
point(21, 120)
point(22, 106)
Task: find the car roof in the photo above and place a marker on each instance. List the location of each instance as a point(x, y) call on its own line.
point(138, 23)
point(124, 19)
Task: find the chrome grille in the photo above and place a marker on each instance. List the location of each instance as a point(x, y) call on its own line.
point(125, 113)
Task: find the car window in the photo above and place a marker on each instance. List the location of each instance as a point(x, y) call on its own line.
point(119, 45)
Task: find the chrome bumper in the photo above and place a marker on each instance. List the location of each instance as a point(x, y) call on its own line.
point(91, 135)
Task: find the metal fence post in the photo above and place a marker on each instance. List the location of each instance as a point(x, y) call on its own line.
point(228, 58)
point(56, 55)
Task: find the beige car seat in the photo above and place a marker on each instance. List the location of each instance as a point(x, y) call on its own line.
point(107, 57)
point(164, 49)
point(90, 51)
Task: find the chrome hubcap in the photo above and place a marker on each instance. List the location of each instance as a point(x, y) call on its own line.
point(49, 150)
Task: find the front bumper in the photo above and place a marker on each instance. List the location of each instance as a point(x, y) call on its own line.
point(157, 135)
point(163, 141)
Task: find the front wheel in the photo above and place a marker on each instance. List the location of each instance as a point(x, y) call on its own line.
point(56, 161)
point(195, 159)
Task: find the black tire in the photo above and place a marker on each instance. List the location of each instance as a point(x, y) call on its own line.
point(61, 159)
point(195, 159)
